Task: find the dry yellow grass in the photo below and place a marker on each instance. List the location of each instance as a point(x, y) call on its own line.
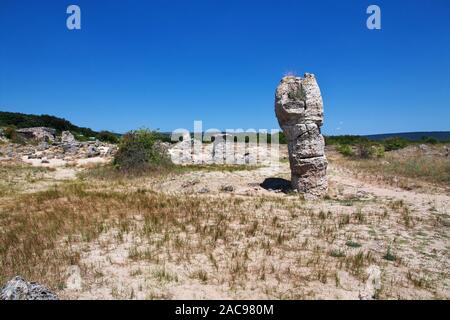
point(131, 240)
point(15, 178)
point(403, 169)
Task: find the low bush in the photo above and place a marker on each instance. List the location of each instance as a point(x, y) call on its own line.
point(363, 150)
point(11, 134)
point(369, 150)
point(345, 150)
point(80, 137)
point(395, 143)
point(137, 153)
point(344, 140)
point(429, 140)
point(107, 136)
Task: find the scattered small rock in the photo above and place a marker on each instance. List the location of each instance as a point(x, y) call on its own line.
point(67, 137)
point(361, 194)
point(38, 133)
point(92, 152)
point(74, 281)
point(20, 289)
point(203, 190)
point(372, 285)
point(227, 188)
point(189, 183)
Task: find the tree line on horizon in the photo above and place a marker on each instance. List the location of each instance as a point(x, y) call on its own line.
point(17, 120)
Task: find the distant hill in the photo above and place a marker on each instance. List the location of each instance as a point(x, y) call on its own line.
point(22, 120)
point(412, 136)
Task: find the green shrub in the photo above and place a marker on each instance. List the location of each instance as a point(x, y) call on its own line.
point(378, 150)
point(298, 94)
point(367, 150)
point(80, 137)
point(11, 134)
point(281, 137)
point(389, 255)
point(107, 136)
point(20, 120)
point(137, 153)
point(344, 140)
point(429, 140)
point(364, 151)
point(395, 143)
point(345, 150)
point(352, 244)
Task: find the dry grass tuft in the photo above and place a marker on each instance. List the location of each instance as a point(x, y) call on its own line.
point(403, 169)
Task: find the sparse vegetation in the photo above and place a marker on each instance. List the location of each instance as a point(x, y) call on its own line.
point(346, 150)
point(345, 140)
point(395, 143)
point(299, 94)
point(397, 168)
point(20, 120)
point(429, 140)
point(337, 254)
point(389, 255)
point(137, 153)
point(369, 150)
point(363, 150)
point(353, 244)
point(107, 136)
point(114, 225)
point(11, 134)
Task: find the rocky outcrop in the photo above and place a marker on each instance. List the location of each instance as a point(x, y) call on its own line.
point(20, 289)
point(56, 152)
point(162, 148)
point(67, 137)
point(2, 136)
point(222, 149)
point(38, 133)
point(299, 109)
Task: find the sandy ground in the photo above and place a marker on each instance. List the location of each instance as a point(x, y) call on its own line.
point(423, 249)
point(58, 163)
point(297, 250)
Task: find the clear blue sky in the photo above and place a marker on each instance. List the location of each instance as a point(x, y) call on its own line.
point(163, 64)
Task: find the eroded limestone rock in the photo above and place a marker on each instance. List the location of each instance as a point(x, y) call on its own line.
point(67, 137)
point(299, 109)
point(20, 289)
point(38, 133)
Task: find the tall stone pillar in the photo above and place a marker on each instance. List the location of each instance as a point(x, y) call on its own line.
point(299, 109)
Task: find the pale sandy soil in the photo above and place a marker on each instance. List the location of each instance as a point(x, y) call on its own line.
point(58, 163)
point(59, 171)
point(271, 244)
point(414, 226)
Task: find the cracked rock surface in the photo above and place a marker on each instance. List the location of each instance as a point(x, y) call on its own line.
point(20, 289)
point(299, 109)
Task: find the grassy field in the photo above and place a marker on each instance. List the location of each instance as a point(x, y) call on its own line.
point(403, 169)
point(132, 241)
point(15, 178)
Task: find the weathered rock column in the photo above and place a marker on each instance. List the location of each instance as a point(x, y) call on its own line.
point(299, 109)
